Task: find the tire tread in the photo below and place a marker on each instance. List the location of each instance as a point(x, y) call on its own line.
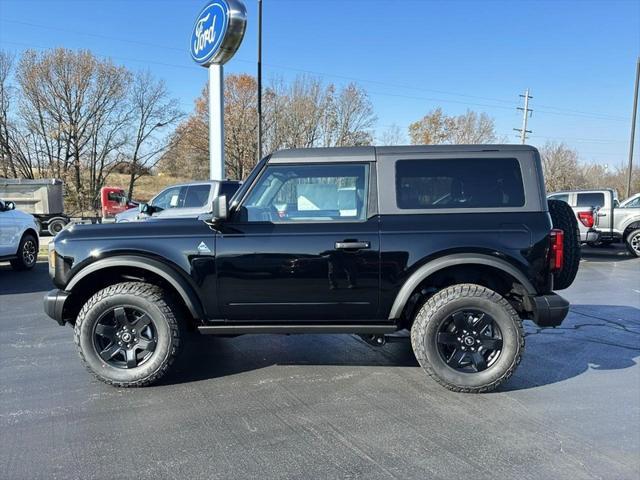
point(151, 293)
point(439, 300)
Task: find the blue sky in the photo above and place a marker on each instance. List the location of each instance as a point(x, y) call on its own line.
point(577, 57)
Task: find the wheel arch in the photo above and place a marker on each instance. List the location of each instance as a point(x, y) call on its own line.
point(33, 233)
point(428, 271)
point(633, 225)
point(107, 271)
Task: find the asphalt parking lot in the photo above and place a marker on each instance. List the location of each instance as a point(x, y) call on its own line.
point(329, 406)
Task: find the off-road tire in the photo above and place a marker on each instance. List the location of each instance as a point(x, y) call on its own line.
point(158, 304)
point(20, 263)
point(632, 236)
point(563, 218)
point(438, 308)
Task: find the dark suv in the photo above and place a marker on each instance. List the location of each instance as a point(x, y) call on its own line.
point(454, 243)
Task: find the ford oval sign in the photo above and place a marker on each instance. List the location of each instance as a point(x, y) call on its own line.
point(218, 31)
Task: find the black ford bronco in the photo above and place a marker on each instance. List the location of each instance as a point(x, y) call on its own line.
point(456, 244)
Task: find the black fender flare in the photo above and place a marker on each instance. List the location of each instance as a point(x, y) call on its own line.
point(437, 264)
point(167, 272)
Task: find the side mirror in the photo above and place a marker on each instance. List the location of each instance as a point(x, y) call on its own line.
point(145, 208)
point(9, 206)
point(219, 210)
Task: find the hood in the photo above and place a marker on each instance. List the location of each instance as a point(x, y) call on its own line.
point(25, 217)
point(132, 230)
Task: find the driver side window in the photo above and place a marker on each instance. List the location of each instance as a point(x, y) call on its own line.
point(308, 193)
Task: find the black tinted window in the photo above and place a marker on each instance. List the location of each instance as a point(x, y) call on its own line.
point(590, 200)
point(459, 183)
point(197, 196)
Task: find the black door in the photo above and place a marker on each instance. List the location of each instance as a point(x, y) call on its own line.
point(301, 247)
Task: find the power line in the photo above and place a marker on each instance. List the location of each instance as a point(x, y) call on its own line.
point(560, 111)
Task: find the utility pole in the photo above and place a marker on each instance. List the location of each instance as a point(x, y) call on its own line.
point(634, 114)
point(525, 116)
point(259, 79)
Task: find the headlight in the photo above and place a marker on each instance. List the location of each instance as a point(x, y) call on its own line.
point(52, 259)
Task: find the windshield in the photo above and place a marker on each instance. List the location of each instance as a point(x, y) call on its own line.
point(247, 183)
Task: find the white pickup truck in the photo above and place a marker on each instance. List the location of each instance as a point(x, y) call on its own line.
point(614, 222)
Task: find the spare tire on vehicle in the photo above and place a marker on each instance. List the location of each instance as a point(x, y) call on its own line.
point(563, 218)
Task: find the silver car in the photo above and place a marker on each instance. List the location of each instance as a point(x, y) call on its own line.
point(183, 200)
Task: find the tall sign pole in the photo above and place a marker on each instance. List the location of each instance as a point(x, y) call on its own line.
point(634, 114)
point(259, 79)
point(216, 36)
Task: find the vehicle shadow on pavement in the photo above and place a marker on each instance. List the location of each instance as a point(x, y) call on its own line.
point(611, 253)
point(35, 280)
point(593, 337)
point(210, 357)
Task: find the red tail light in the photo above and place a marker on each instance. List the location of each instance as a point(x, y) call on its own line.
point(586, 218)
point(556, 251)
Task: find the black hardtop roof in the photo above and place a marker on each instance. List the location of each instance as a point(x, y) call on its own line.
point(341, 154)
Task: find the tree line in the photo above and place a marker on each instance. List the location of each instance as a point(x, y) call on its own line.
point(70, 115)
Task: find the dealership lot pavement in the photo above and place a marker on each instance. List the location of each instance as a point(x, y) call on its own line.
point(329, 406)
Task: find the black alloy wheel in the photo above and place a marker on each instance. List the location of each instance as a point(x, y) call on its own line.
point(469, 341)
point(29, 252)
point(125, 337)
point(128, 334)
point(468, 338)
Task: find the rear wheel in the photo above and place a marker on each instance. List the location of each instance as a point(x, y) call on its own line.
point(56, 225)
point(27, 254)
point(468, 338)
point(633, 242)
point(127, 334)
point(563, 218)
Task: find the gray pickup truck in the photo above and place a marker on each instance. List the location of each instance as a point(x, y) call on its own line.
point(186, 200)
point(612, 222)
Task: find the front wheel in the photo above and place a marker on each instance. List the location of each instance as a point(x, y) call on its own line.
point(633, 242)
point(27, 254)
point(468, 338)
point(127, 334)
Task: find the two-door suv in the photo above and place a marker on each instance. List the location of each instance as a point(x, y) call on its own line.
point(454, 243)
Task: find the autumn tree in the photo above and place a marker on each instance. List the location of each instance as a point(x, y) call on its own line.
point(469, 128)
point(241, 124)
point(301, 114)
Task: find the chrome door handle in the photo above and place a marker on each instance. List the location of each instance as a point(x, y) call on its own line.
point(352, 245)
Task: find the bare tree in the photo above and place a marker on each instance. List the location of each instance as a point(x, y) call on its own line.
point(152, 111)
point(469, 128)
point(392, 135)
point(6, 155)
point(71, 106)
point(351, 118)
point(560, 167)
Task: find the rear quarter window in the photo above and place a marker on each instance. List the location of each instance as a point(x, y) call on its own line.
point(459, 183)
